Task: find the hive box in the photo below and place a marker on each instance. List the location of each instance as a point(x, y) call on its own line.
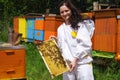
point(104, 38)
point(39, 35)
point(39, 23)
point(12, 63)
point(51, 25)
point(30, 23)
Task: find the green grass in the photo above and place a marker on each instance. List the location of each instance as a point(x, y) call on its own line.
point(107, 72)
point(104, 68)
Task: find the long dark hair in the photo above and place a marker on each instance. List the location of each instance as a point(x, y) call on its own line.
point(75, 17)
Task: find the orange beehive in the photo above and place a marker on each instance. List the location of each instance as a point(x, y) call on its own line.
point(51, 25)
point(118, 37)
point(20, 26)
point(48, 34)
point(15, 24)
point(105, 31)
point(12, 63)
point(105, 43)
point(39, 23)
point(118, 41)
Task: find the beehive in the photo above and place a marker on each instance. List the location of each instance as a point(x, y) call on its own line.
point(12, 63)
point(39, 23)
point(30, 23)
point(30, 35)
point(104, 38)
point(118, 37)
point(15, 24)
point(39, 35)
point(30, 28)
point(23, 27)
point(51, 25)
point(48, 34)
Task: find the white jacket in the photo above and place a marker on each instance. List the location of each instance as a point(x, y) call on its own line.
point(79, 47)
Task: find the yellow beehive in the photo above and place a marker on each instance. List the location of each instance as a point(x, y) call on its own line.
point(23, 27)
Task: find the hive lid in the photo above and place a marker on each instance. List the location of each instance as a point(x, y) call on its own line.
point(10, 46)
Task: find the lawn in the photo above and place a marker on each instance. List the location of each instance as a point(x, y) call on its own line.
point(104, 68)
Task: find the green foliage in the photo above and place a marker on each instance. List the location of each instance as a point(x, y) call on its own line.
point(109, 72)
point(3, 32)
point(3, 35)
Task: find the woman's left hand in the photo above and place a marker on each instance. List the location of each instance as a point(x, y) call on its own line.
point(73, 64)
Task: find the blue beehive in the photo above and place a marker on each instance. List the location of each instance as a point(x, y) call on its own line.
point(30, 29)
point(30, 35)
point(39, 35)
point(30, 23)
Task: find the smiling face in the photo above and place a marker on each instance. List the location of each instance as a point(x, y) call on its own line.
point(65, 13)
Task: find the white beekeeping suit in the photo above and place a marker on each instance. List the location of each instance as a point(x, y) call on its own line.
point(81, 45)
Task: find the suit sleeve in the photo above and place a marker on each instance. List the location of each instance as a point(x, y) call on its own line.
point(84, 44)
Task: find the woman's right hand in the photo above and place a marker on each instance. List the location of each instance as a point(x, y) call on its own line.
point(73, 64)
